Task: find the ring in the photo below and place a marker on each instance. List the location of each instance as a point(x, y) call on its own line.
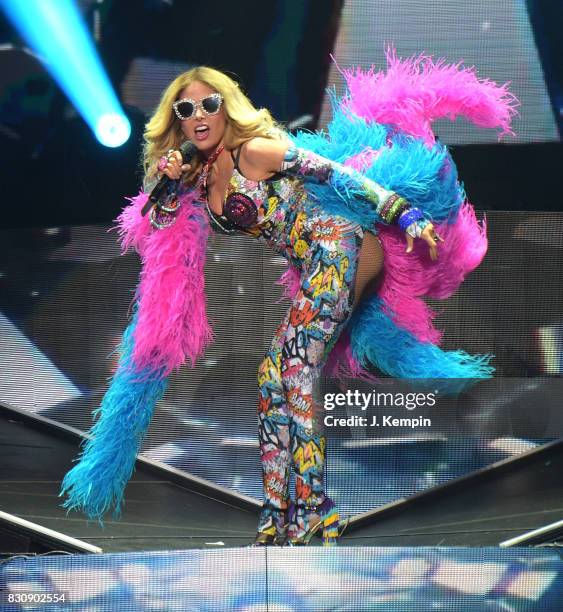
point(162, 163)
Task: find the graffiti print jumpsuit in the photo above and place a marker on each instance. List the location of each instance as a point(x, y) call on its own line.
point(325, 248)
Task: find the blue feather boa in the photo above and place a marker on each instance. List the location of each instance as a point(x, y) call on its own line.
point(107, 462)
point(376, 339)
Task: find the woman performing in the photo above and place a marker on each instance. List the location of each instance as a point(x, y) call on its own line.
point(370, 217)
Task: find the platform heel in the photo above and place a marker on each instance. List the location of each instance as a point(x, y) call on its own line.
point(273, 526)
point(305, 521)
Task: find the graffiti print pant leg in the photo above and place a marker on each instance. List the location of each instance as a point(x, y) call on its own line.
point(316, 318)
point(273, 430)
point(290, 426)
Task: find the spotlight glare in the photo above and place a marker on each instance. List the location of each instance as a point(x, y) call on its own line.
point(56, 32)
point(113, 129)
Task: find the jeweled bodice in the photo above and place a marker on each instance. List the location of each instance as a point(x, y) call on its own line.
point(251, 207)
point(288, 218)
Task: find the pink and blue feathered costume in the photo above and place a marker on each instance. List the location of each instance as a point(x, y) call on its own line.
point(381, 128)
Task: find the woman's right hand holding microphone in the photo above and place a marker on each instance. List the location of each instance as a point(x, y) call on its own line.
point(171, 165)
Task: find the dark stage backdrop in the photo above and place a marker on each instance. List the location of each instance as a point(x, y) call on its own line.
point(64, 301)
point(59, 174)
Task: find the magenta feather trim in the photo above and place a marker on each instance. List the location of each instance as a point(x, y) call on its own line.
point(290, 280)
point(364, 159)
point(416, 91)
point(172, 325)
point(409, 276)
point(132, 227)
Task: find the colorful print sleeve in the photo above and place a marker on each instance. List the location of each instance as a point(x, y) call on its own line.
point(391, 207)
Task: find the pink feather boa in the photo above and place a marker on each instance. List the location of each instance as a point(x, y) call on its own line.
point(416, 91)
point(409, 276)
point(172, 325)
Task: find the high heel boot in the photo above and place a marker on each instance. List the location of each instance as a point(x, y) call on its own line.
point(272, 526)
point(305, 521)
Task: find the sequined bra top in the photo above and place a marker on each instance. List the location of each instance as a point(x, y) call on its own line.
point(248, 203)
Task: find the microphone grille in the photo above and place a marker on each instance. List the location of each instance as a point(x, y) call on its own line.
point(188, 150)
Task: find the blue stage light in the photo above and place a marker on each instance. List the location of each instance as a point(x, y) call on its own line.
point(56, 31)
point(113, 129)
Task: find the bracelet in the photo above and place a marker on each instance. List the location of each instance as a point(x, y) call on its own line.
point(162, 163)
point(393, 207)
point(161, 219)
point(387, 205)
point(410, 216)
point(397, 210)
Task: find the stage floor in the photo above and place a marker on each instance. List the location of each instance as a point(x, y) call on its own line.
point(161, 515)
point(299, 579)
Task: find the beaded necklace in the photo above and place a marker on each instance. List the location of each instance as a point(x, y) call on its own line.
point(239, 210)
point(203, 177)
point(219, 220)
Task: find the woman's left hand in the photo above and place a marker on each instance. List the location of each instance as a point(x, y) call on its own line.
point(429, 236)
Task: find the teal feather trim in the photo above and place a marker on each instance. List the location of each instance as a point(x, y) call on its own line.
point(346, 135)
point(376, 340)
point(97, 482)
point(425, 175)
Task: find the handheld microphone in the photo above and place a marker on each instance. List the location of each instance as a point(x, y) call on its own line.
point(187, 150)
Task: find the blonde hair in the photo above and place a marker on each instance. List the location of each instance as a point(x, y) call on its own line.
point(243, 120)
